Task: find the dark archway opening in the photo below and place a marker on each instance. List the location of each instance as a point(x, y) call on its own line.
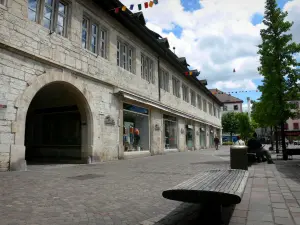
point(54, 122)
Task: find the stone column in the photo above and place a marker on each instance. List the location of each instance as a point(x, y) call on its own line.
point(156, 132)
point(181, 135)
point(207, 135)
point(197, 136)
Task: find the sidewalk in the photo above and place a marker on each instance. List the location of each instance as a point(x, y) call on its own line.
point(272, 195)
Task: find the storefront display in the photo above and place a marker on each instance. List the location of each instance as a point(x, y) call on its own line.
point(189, 136)
point(135, 128)
point(170, 132)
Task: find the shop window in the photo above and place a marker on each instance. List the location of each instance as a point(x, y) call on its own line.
point(204, 105)
point(199, 102)
point(296, 126)
point(185, 93)
point(135, 128)
point(236, 107)
point(147, 69)
point(164, 80)
point(125, 56)
point(176, 87)
point(193, 98)
point(170, 129)
point(52, 14)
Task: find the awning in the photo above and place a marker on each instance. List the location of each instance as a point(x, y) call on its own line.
point(128, 95)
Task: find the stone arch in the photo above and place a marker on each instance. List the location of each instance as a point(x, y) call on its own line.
point(23, 102)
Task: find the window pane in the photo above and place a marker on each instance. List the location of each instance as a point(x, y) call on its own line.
point(32, 4)
point(60, 30)
point(84, 37)
point(61, 8)
point(32, 15)
point(84, 23)
point(60, 20)
point(47, 13)
point(94, 29)
point(46, 23)
point(49, 2)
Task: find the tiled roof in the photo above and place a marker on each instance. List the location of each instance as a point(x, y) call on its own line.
point(225, 98)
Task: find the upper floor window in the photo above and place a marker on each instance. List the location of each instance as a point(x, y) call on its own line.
point(185, 93)
point(296, 126)
point(204, 105)
point(164, 80)
point(147, 69)
point(286, 126)
point(93, 37)
point(193, 98)
point(199, 101)
point(3, 2)
point(176, 87)
point(215, 111)
point(125, 56)
point(236, 107)
point(225, 108)
point(52, 14)
point(210, 108)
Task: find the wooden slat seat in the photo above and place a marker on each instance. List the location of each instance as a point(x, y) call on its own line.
point(225, 187)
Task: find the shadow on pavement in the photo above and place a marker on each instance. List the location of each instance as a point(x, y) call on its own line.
point(193, 214)
point(289, 169)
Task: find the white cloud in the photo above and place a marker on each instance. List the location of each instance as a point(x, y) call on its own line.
point(217, 38)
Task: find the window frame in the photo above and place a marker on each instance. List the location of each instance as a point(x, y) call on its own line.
point(225, 108)
point(176, 86)
point(147, 68)
point(204, 105)
point(193, 97)
point(235, 106)
point(296, 126)
point(164, 77)
point(199, 101)
point(121, 55)
point(185, 93)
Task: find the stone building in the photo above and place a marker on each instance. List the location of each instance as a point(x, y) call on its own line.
point(80, 83)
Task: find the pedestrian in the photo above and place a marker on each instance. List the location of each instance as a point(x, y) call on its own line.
point(239, 141)
point(217, 142)
point(262, 154)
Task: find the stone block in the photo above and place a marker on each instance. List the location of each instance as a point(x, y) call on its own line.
point(17, 159)
point(4, 148)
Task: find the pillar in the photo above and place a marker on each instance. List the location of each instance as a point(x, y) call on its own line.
point(181, 135)
point(156, 132)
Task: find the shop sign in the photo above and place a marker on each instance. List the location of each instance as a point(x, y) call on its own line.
point(134, 108)
point(109, 121)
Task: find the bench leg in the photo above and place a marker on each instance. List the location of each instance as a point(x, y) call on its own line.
point(213, 214)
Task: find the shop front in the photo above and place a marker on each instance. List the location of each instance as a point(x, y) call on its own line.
point(170, 132)
point(135, 128)
point(202, 137)
point(190, 136)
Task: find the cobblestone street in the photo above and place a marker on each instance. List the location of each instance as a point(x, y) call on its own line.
point(129, 192)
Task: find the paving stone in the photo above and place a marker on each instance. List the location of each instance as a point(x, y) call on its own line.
point(281, 213)
point(259, 216)
point(279, 205)
point(283, 221)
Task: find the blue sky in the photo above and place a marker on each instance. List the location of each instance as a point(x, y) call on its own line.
point(217, 36)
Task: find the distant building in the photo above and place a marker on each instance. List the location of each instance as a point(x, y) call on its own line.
point(230, 104)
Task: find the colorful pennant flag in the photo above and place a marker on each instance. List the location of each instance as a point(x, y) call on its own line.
point(147, 4)
point(188, 73)
point(231, 92)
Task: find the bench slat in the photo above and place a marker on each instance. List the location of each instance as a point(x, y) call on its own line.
point(225, 186)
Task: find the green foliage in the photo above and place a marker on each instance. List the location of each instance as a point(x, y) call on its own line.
point(230, 123)
point(244, 126)
point(227, 143)
point(279, 68)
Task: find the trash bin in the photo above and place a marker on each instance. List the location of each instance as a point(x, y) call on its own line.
point(238, 157)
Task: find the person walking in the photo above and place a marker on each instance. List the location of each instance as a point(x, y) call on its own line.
point(217, 142)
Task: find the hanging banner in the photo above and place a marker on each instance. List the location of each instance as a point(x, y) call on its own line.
point(147, 4)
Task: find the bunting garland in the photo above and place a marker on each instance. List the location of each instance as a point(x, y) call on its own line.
point(231, 92)
point(148, 4)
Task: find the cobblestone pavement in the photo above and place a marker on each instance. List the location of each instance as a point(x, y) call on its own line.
point(129, 192)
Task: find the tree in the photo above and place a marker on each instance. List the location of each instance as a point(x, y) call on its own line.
point(279, 68)
point(244, 126)
point(230, 123)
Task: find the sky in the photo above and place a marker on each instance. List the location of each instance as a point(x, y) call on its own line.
point(217, 36)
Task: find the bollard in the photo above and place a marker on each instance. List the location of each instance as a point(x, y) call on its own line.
point(239, 157)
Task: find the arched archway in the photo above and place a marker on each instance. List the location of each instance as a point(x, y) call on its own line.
point(56, 125)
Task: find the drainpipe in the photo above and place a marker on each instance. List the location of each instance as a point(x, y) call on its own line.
point(158, 79)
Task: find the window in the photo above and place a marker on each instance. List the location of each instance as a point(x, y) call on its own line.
point(296, 126)
point(224, 108)
point(210, 108)
point(199, 101)
point(193, 98)
point(52, 14)
point(147, 69)
point(286, 126)
point(204, 105)
point(93, 38)
point(215, 111)
point(176, 87)
point(236, 107)
point(164, 80)
point(185, 93)
point(125, 56)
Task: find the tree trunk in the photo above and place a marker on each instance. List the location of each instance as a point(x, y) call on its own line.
point(231, 136)
point(271, 138)
point(284, 151)
point(276, 139)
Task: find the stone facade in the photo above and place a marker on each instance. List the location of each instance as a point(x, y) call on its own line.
point(32, 58)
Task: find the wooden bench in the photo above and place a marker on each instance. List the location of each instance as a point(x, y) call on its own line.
point(213, 189)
